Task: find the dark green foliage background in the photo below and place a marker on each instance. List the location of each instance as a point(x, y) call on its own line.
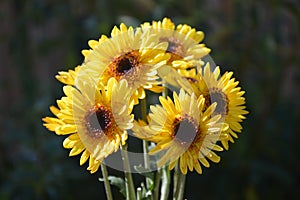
point(258, 40)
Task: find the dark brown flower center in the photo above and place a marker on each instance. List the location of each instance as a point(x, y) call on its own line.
point(98, 121)
point(185, 130)
point(216, 95)
point(124, 64)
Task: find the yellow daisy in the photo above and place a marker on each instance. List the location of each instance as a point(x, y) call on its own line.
point(95, 120)
point(184, 132)
point(224, 91)
point(183, 42)
point(183, 47)
point(129, 54)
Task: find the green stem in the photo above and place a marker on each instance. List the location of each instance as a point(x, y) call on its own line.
point(175, 179)
point(156, 184)
point(165, 185)
point(130, 191)
point(139, 193)
point(146, 161)
point(106, 182)
point(165, 91)
point(145, 143)
point(144, 109)
point(179, 184)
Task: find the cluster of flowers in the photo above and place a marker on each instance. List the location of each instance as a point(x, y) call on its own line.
point(199, 117)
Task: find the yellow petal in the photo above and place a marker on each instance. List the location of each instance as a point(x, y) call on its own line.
point(65, 129)
point(213, 157)
point(84, 157)
point(77, 149)
point(183, 165)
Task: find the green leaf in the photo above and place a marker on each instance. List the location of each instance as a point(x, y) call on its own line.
point(118, 182)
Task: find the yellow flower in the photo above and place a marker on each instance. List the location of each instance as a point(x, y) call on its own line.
point(183, 42)
point(96, 120)
point(129, 54)
point(224, 91)
point(184, 131)
point(183, 47)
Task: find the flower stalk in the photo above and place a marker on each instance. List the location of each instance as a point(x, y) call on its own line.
point(130, 189)
point(145, 143)
point(165, 170)
point(157, 184)
point(179, 183)
point(139, 195)
point(106, 182)
point(165, 187)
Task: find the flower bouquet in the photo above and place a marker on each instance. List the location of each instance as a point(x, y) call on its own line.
point(157, 83)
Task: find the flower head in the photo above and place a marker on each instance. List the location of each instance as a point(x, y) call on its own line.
point(224, 91)
point(184, 48)
point(129, 54)
point(183, 42)
point(95, 119)
point(184, 131)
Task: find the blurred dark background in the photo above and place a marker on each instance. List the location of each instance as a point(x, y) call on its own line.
point(258, 40)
